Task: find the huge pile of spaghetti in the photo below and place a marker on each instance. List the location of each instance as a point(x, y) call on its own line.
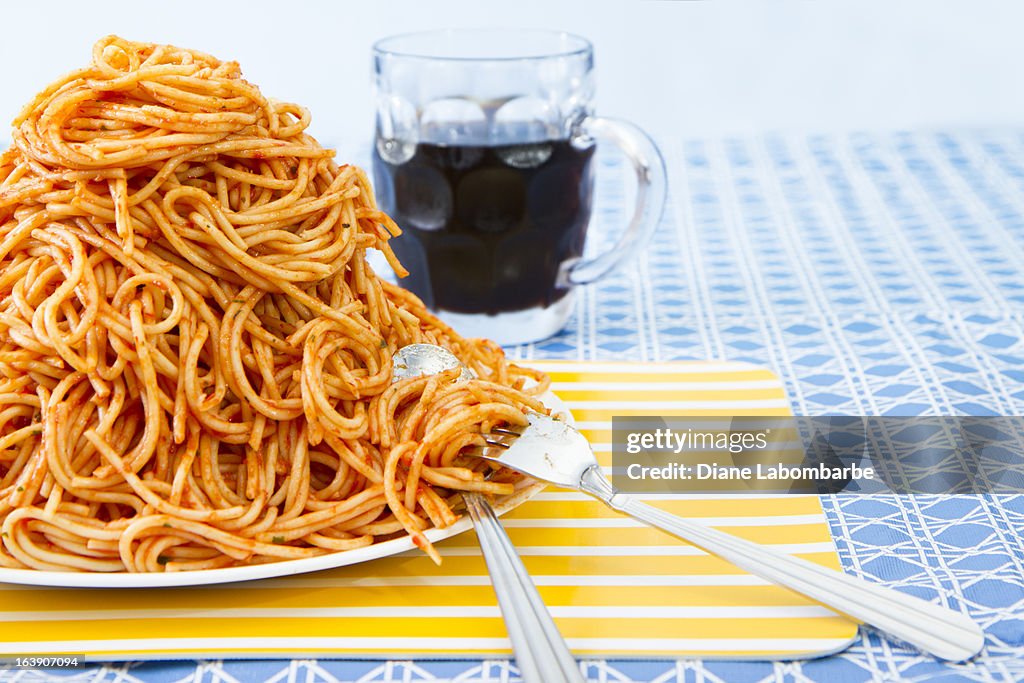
point(195, 356)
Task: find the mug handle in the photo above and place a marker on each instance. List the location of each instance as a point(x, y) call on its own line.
point(650, 198)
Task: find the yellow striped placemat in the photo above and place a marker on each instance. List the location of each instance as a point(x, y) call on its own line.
point(615, 587)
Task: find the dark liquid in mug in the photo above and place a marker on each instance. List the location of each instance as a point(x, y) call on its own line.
point(486, 229)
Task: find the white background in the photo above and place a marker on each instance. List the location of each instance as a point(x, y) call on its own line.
point(674, 66)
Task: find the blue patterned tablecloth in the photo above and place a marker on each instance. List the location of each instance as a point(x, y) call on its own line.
point(876, 274)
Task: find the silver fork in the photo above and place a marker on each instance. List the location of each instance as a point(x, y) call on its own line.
point(541, 653)
point(540, 650)
point(553, 451)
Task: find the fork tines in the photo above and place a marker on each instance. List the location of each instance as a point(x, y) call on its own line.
point(515, 430)
point(503, 436)
point(501, 440)
point(498, 439)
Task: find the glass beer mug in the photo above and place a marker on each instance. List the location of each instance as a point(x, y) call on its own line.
point(484, 156)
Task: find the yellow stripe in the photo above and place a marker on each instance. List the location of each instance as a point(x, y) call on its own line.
point(737, 394)
point(646, 536)
point(96, 601)
point(451, 627)
point(541, 565)
point(597, 435)
point(737, 506)
point(606, 414)
point(724, 378)
point(473, 565)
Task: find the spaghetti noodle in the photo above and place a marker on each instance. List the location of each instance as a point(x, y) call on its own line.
point(195, 355)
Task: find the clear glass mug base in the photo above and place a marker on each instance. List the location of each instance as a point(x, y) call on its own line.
point(514, 327)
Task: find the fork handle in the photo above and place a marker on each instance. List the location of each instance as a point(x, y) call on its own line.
point(540, 650)
point(945, 633)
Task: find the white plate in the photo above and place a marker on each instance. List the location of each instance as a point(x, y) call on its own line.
point(271, 569)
